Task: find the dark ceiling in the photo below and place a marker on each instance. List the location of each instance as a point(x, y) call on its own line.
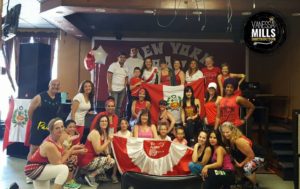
point(121, 18)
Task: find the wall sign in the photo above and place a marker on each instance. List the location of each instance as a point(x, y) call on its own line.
point(264, 32)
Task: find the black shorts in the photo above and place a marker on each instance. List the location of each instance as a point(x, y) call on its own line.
point(37, 135)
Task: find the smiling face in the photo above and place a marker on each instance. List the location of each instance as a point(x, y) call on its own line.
point(71, 128)
point(229, 90)
point(225, 70)
point(180, 134)
point(213, 139)
point(202, 137)
point(54, 86)
point(103, 122)
point(163, 130)
point(189, 94)
point(122, 59)
point(144, 118)
point(227, 133)
point(142, 94)
point(87, 88)
point(148, 63)
point(209, 62)
point(110, 107)
point(124, 125)
point(211, 91)
point(177, 65)
point(57, 129)
point(193, 65)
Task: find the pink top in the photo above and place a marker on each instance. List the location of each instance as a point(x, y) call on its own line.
point(227, 165)
point(145, 134)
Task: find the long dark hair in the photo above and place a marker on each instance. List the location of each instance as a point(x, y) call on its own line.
point(213, 99)
point(218, 136)
point(184, 99)
point(179, 63)
point(147, 96)
point(143, 112)
point(91, 95)
point(98, 128)
point(144, 65)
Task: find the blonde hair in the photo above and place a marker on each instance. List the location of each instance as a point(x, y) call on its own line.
point(235, 132)
point(52, 122)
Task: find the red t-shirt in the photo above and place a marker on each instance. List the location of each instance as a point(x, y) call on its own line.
point(211, 112)
point(230, 111)
point(133, 81)
point(211, 75)
point(113, 124)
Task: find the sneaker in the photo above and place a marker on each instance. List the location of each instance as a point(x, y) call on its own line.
point(114, 180)
point(72, 185)
point(28, 180)
point(90, 180)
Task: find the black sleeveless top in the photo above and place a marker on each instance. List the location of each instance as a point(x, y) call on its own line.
point(47, 111)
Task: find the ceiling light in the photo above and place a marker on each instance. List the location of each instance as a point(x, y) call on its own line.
point(296, 14)
point(148, 11)
point(246, 13)
point(197, 12)
point(100, 10)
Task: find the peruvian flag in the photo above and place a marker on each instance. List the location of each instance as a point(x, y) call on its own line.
point(16, 121)
point(173, 95)
point(155, 157)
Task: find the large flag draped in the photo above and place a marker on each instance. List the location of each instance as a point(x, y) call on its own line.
point(150, 156)
point(173, 95)
point(16, 121)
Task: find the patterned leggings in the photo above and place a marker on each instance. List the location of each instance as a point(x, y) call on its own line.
point(100, 165)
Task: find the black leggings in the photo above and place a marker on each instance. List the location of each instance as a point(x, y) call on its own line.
point(217, 178)
point(192, 129)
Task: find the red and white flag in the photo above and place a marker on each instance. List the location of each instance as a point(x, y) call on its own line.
point(155, 157)
point(16, 121)
point(173, 95)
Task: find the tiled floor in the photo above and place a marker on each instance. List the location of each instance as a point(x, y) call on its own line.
point(11, 170)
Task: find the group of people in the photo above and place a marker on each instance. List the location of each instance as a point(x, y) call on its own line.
point(57, 152)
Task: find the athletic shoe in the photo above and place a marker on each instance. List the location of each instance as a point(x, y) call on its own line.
point(90, 180)
point(114, 180)
point(28, 180)
point(72, 185)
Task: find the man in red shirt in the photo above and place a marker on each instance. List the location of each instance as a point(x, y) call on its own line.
point(210, 72)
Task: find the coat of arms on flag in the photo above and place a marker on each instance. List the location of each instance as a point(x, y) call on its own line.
point(16, 121)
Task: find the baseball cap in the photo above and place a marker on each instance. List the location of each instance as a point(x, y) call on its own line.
point(212, 85)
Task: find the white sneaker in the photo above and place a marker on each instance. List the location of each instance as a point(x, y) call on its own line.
point(28, 180)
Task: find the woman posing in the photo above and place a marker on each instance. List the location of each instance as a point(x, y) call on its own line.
point(166, 117)
point(229, 107)
point(97, 161)
point(143, 102)
point(49, 160)
point(220, 172)
point(149, 72)
point(210, 106)
point(193, 73)
point(201, 154)
point(190, 114)
point(241, 151)
point(179, 74)
point(81, 104)
point(225, 74)
point(144, 128)
point(166, 75)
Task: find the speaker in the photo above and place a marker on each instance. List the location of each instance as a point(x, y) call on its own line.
point(34, 69)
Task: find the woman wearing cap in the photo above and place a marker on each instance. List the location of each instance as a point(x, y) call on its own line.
point(225, 74)
point(149, 72)
point(165, 116)
point(165, 75)
point(190, 114)
point(193, 73)
point(210, 105)
point(179, 74)
point(143, 102)
point(229, 107)
point(144, 128)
